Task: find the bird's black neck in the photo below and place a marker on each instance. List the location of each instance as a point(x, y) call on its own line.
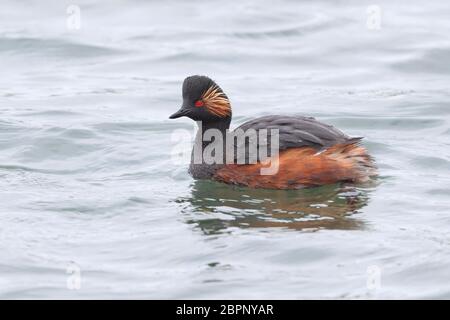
point(222, 125)
point(199, 168)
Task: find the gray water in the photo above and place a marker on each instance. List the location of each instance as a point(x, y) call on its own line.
point(91, 205)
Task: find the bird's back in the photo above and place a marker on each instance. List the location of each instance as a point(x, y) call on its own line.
point(310, 153)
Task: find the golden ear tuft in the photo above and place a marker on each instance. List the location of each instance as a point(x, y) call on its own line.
point(216, 102)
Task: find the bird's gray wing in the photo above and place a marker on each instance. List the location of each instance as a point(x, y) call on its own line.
point(294, 132)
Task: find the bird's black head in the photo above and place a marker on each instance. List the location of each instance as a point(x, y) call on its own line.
point(203, 100)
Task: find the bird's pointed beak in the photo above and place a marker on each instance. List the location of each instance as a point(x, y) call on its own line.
point(180, 113)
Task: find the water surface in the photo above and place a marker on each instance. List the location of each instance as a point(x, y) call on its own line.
point(85, 146)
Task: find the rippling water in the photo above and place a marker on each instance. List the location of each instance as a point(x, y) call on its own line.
point(86, 182)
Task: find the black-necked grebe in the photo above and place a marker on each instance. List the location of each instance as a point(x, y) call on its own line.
point(311, 153)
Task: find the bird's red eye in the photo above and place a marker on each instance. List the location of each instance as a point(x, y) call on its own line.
point(199, 103)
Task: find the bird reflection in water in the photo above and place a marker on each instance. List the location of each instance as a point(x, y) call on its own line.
point(215, 207)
